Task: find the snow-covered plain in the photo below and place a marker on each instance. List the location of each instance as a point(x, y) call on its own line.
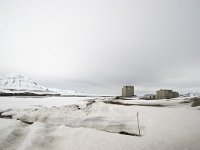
point(165, 124)
point(43, 101)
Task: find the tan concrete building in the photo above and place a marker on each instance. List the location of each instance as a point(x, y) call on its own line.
point(128, 91)
point(166, 94)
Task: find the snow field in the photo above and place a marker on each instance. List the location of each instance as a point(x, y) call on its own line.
point(96, 127)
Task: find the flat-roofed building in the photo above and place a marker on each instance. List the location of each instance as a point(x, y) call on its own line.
point(149, 96)
point(175, 94)
point(166, 94)
point(128, 91)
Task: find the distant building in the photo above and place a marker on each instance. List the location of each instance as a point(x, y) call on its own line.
point(166, 94)
point(128, 91)
point(149, 96)
point(175, 94)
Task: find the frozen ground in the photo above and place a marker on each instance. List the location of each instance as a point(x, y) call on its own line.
point(165, 124)
point(34, 102)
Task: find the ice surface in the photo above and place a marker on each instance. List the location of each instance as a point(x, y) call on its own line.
point(34, 102)
point(96, 125)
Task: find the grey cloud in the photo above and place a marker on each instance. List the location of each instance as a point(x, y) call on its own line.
point(98, 46)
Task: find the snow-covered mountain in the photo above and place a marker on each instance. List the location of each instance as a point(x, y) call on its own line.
point(192, 94)
point(17, 84)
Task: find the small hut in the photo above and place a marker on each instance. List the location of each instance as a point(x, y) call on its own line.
point(149, 96)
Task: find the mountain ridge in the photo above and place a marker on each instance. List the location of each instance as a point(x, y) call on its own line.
point(20, 85)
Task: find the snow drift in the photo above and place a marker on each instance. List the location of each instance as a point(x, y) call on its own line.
point(96, 125)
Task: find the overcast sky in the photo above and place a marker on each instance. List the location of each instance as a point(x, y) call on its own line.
point(97, 46)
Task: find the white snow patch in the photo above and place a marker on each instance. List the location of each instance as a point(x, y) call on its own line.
point(71, 127)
